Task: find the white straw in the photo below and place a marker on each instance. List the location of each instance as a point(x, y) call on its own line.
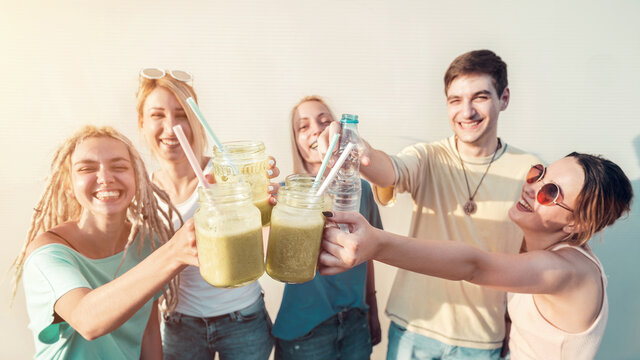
point(190, 156)
point(325, 161)
point(336, 167)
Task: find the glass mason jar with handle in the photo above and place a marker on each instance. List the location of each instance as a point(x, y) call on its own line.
point(245, 160)
point(228, 235)
point(295, 236)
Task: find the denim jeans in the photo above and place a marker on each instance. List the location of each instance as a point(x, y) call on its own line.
point(342, 336)
point(243, 334)
point(407, 345)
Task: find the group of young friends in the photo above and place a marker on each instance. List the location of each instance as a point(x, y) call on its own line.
point(109, 265)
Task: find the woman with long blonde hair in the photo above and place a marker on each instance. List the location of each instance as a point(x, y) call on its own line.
point(328, 317)
point(100, 252)
point(237, 317)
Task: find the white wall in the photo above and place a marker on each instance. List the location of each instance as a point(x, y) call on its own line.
point(573, 71)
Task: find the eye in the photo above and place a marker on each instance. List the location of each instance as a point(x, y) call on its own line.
point(157, 115)
point(85, 169)
point(454, 101)
point(482, 98)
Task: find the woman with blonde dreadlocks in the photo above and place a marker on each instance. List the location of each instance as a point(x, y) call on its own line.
point(91, 280)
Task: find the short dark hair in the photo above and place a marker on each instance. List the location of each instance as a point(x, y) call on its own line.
point(605, 196)
point(478, 62)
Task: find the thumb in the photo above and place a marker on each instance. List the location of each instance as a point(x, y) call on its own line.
point(345, 217)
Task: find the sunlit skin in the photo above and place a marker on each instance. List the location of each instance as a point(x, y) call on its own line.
point(312, 117)
point(473, 106)
point(102, 177)
point(565, 285)
point(161, 112)
point(545, 225)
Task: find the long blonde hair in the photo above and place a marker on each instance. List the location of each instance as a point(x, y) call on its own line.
point(299, 164)
point(55, 207)
point(182, 91)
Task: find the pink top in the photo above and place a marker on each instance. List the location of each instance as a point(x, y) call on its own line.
point(533, 337)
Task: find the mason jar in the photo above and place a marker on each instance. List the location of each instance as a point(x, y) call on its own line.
point(305, 181)
point(295, 236)
point(228, 235)
point(245, 160)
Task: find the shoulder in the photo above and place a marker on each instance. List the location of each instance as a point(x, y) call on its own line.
point(48, 237)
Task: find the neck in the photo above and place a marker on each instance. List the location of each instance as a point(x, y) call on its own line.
point(103, 236)
point(477, 150)
point(177, 178)
point(540, 241)
point(313, 168)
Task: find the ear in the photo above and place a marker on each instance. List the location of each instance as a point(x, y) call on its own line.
point(571, 228)
point(504, 99)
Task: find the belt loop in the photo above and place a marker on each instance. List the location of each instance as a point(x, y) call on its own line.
point(234, 315)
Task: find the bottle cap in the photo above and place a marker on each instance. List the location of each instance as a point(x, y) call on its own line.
point(349, 119)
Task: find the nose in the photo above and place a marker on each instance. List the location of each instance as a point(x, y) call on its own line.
point(104, 176)
point(468, 111)
point(317, 127)
point(170, 121)
point(530, 190)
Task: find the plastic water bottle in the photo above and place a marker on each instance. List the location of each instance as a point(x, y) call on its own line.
point(346, 187)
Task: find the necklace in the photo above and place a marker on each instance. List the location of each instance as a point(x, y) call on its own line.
point(470, 206)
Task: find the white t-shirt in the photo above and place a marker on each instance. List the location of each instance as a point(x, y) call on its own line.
point(198, 298)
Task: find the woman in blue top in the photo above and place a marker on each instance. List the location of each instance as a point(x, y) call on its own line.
point(90, 279)
point(329, 317)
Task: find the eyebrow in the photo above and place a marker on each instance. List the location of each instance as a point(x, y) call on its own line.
point(308, 117)
point(88, 161)
point(481, 92)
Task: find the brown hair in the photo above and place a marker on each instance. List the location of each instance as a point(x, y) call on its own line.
point(182, 91)
point(478, 62)
point(299, 165)
point(55, 207)
point(605, 196)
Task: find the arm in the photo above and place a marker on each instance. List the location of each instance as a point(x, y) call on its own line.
point(376, 165)
point(151, 341)
point(97, 312)
point(370, 296)
point(537, 272)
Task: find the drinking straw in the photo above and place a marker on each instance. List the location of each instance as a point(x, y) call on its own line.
point(190, 156)
point(325, 161)
point(336, 167)
point(204, 122)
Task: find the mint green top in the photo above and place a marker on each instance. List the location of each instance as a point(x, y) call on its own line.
point(53, 270)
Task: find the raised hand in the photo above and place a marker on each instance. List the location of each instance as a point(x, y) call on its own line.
point(342, 251)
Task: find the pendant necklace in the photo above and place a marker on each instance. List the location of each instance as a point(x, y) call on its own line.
point(470, 206)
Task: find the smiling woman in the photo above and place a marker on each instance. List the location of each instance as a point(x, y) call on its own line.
point(557, 287)
point(91, 280)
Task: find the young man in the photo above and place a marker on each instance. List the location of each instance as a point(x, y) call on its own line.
point(462, 188)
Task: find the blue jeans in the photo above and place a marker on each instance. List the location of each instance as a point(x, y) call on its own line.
point(243, 334)
point(407, 345)
point(342, 336)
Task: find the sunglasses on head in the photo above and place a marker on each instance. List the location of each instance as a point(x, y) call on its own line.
point(550, 193)
point(155, 73)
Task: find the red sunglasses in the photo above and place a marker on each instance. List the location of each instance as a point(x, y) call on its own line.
point(549, 193)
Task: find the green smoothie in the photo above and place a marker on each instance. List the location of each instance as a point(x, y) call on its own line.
point(232, 259)
point(292, 253)
point(265, 210)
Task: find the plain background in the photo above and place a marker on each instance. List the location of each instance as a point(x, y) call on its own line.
point(573, 72)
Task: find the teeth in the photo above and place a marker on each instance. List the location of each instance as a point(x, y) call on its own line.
point(525, 205)
point(170, 142)
point(104, 195)
point(467, 125)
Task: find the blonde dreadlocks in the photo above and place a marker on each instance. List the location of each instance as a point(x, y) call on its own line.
point(144, 214)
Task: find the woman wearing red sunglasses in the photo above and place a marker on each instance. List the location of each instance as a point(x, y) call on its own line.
point(557, 301)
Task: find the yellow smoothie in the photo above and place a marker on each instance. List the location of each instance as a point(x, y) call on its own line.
point(294, 245)
point(230, 259)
